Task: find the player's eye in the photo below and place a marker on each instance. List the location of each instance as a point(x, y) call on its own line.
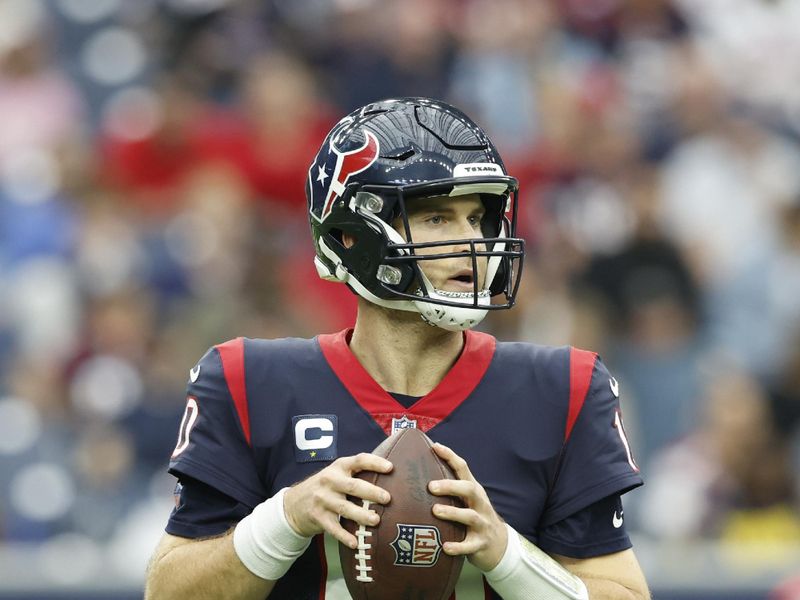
point(435, 219)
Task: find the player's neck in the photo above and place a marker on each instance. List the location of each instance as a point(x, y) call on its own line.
point(401, 352)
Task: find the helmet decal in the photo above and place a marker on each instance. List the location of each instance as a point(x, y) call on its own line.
point(346, 165)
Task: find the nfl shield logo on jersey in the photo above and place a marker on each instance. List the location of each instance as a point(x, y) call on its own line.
point(403, 423)
point(416, 545)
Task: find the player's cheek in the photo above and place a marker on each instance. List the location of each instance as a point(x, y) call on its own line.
point(434, 268)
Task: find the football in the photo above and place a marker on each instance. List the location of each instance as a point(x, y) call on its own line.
point(402, 557)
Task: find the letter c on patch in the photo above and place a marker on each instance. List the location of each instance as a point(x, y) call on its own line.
point(313, 433)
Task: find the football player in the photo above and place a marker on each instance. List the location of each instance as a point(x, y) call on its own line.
point(411, 207)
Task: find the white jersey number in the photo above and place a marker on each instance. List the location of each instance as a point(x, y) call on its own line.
point(187, 423)
point(620, 427)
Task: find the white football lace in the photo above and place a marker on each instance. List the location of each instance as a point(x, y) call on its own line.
point(362, 556)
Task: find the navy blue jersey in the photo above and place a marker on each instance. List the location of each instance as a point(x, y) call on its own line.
point(540, 428)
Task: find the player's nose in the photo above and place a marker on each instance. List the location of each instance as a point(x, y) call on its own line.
point(464, 230)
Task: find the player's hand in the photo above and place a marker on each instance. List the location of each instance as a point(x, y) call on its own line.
point(486, 539)
point(314, 505)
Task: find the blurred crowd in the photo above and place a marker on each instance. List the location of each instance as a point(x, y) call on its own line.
point(153, 156)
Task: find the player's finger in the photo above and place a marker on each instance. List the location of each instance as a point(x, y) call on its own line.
point(360, 513)
point(458, 464)
point(340, 533)
point(467, 547)
point(467, 490)
point(364, 490)
point(367, 462)
point(465, 516)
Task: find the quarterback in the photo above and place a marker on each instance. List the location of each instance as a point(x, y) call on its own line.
point(411, 207)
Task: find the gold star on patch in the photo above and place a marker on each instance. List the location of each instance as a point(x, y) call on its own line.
point(313, 453)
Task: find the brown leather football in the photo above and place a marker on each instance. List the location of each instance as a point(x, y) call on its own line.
point(402, 557)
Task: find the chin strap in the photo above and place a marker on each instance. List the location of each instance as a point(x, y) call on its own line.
point(452, 318)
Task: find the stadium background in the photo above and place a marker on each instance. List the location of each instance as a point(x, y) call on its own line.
point(152, 163)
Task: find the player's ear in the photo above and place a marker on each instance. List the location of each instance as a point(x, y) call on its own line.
point(348, 240)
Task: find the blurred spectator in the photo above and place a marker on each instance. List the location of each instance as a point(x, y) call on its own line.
point(267, 139)
point(727, 171)
point(651, 304)
point(40, 113)
point(386, 49)
point(755, 315)
point(40, 107)
point(787, 590)
point(107, 480)
point(283, 123)
point(487, 62)
point(730, 479)
point(756, 62)
point(147, 164)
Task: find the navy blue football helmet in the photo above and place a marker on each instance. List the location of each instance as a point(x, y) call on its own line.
point(371, 166)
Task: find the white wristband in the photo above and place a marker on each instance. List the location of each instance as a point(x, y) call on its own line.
point(527, 573)
point(265, 542)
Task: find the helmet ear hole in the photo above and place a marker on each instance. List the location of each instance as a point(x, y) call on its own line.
point(348, 239)
point(344, 239)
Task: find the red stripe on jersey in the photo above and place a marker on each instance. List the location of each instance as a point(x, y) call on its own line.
point(428, 411)
point(487, 591)
point(323, 564)
point(232, 356)
point(581, 367)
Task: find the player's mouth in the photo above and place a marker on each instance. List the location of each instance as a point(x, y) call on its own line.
point(462, 281)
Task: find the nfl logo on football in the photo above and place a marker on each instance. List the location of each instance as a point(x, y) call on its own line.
point(416, 545)
point(403, 423)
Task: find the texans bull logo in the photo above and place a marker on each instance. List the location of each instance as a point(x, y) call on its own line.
point(339, 167)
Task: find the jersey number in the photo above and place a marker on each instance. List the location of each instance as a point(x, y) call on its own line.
point(620, 427)
point(187, 423)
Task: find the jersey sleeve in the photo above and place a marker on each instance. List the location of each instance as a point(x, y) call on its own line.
point(596, 459)
point(203, 511)
point(592, 531)
point(213, 445)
